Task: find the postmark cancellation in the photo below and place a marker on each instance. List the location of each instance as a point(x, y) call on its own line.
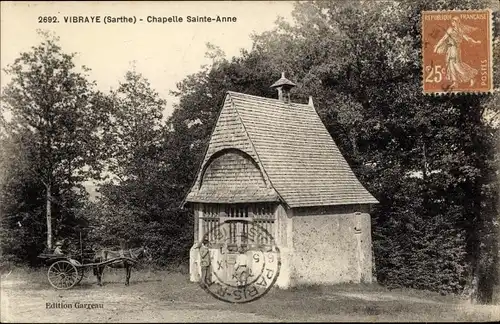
point(239, 269)
point(457, 51)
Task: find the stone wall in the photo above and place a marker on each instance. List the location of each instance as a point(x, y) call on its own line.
point(318, 246)
point(331, 245)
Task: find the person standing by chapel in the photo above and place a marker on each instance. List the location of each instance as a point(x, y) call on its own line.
point(206, 272)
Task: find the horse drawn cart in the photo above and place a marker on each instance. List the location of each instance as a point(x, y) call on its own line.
point(65, 272)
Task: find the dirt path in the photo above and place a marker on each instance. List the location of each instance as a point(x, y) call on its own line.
point(167, 297)
point(117, 306)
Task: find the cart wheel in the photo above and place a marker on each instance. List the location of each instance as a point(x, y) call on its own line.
point(63, 275)
point(81, 272)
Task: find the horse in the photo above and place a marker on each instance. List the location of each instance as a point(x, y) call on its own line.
point(126, 258)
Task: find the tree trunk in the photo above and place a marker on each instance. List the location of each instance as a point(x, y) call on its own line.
point(474, 287)
point(470, 291)
point(424, 160)
point(496, 288)
point(483, 276)
point(49, 218)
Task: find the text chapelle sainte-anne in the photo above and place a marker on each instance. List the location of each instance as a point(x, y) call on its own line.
point(148, 19)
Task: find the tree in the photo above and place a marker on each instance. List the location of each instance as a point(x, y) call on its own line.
point(21, 206)
point(135, 126)
point(438, 146)
point(139, 204)
point(59, 110)
point(428, 160)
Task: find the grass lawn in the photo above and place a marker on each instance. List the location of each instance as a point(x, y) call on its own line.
point(169, 297)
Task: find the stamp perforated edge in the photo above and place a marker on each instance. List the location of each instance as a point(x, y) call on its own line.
point(492, 88)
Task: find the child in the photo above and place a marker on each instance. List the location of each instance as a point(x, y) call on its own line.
point(59, 248)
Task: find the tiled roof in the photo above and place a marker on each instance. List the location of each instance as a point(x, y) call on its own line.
point(292, 147)
point(228, 177)
point(231, 177)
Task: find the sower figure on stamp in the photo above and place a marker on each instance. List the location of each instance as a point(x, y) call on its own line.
point(206, 272)
point(457, 71)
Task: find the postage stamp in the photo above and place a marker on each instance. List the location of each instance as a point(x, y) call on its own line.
point(243, 267)
point(457, 51)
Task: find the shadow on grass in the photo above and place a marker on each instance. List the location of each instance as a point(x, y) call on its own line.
point(346, 287)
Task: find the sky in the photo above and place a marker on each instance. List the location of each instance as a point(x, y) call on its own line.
point(163, 52)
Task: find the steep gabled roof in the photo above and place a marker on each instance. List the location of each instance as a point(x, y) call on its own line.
point(298, 158)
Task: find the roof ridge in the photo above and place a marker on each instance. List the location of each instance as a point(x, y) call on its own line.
point(266, 98)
